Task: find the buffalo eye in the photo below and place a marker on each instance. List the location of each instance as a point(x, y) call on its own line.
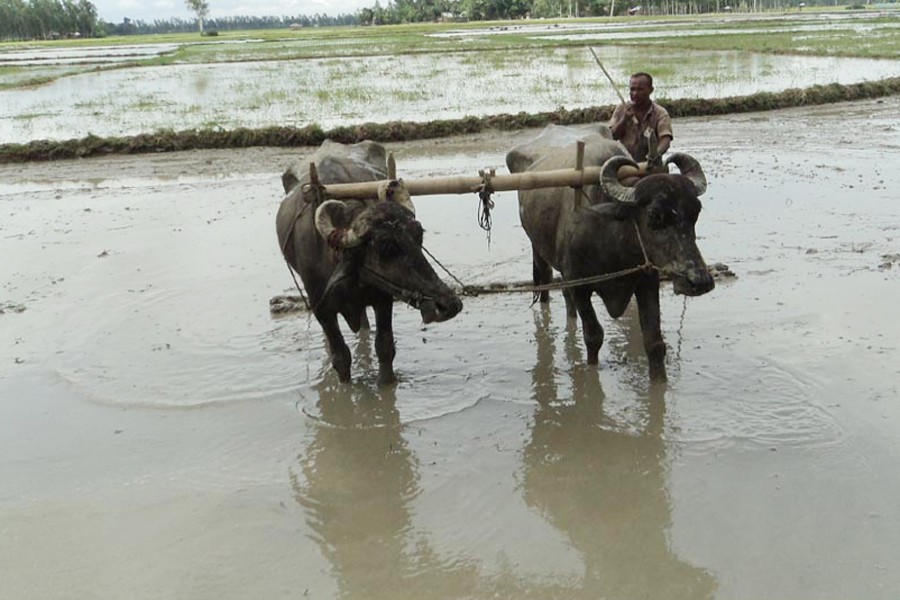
point(660, 218)
point(387, 248)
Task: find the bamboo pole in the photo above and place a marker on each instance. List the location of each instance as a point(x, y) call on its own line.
point(530, 180)
point(608, 77)
point(579, 166)
point(391, 166)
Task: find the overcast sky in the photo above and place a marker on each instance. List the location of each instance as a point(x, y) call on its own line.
point(148, 10)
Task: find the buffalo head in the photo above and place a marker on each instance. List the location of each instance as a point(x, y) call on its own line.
point(382, 248)
point(665, 207)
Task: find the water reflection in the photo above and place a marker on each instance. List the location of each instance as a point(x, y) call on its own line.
point(599, 481)
point(358, 480)
point(602, 486)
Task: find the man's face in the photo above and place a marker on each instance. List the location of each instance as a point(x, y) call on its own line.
point(640, 91)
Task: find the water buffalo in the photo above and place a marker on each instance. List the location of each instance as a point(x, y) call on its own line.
point(355, 254)
point(602, 228)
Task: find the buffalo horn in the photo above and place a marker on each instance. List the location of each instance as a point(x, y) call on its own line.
point(609, 179)
point(336, 237)
point(690, 168)
point(395, 191)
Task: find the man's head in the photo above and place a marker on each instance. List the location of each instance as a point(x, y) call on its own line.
point(641, 87)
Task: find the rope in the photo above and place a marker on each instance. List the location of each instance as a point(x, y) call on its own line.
point(559, 285)
point(681, 330)
point(470, 290)
point(485, 204)
point(297, 285)
point(446, 270)
point(412, 298)
point(320, 196)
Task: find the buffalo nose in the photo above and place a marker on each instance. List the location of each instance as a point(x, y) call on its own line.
point(701, 281)
point(707, 285)
point(694, 282)
point(449, 306)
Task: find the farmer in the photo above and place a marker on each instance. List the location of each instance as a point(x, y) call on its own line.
point(635, 124)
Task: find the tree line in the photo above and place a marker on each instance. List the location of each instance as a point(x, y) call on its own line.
point(53, 19)
point(210, 24)
point(411, 11)
point(47, 19)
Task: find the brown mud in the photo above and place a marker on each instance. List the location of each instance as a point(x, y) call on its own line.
point(163, 436)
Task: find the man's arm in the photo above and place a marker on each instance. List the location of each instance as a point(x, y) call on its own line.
point(664, 143)
point(619, 118)
point(664, 131)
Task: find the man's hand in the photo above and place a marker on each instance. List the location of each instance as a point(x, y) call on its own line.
point(617, 128)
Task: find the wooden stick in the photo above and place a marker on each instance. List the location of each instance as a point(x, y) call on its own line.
point(605, 72)
point(391, 167)
point(616, 89)
point(579, 166)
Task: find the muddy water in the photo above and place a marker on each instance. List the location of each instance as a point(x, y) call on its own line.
point(334, 92)
point(162, 436)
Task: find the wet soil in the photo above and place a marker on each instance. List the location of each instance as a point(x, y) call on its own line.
point(163, 435)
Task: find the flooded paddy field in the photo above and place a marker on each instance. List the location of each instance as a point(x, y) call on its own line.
point(250, 83)
point(163, 436)
point(332, 92)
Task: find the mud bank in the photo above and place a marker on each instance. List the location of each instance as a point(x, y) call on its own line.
point(162, 436)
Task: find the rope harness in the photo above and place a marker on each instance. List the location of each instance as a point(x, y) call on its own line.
point(486, 204)
point(319, 198)
point(399, 292)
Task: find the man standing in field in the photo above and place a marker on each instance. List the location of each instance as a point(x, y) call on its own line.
point(642, 126)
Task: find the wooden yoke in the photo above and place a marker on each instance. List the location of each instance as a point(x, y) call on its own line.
point(469, 185)
point(530, 180)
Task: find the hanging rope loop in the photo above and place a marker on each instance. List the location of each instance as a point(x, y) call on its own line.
point(485, 203)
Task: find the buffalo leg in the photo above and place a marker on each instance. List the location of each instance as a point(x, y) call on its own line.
point(340, 353)
point(542, 274)
point(647, 295)
point(571, 312)
point(356, 319)
point(592, 331)
point(384, 341)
